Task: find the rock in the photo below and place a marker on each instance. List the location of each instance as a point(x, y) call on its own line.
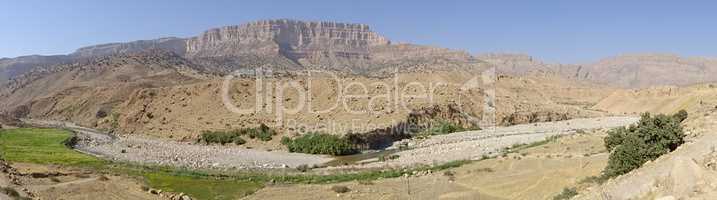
point(185, 197)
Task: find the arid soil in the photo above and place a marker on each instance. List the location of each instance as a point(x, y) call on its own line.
point(474, 145)
point(51, 182)
point(535, 173)
point(690, 172)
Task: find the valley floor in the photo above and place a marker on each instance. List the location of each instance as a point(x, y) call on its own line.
point(516, 162)
point(537, 172)
point(470, 145)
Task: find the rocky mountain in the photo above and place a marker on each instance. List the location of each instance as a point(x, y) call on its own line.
point(645, 70)
point(11, 67)
point(283, 45)
point(521, 64)
point(151, 86)
point(290, 44)
point(83, 89)
point(626, 71)
point(171, 44)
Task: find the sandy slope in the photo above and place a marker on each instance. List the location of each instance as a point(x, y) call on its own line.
point(687, 173)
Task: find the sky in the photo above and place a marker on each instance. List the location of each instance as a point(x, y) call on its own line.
point(570, 31)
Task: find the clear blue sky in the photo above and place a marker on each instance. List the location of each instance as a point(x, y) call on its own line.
point(564, 31)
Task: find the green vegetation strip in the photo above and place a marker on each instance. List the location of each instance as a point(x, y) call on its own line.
point(46, 146)
point(42, 146)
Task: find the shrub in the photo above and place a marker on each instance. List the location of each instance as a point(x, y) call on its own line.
point(650, 138)
point(303, 168)
point(444, 127)
point(263, 133)
point(340, 189)
point(10, 192)
point(320, 143)
point(239, 141)
point(285, 140)
point(680, 115)
point(219, 137)
point(567, 193)
point(365, 182)
point(103, 178)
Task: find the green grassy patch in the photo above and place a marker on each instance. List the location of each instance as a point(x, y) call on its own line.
point(42, 146)
point(214, 188)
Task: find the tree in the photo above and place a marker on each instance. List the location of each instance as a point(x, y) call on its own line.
point(650, 138)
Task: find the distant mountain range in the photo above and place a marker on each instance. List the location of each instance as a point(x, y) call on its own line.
point(280, 44)
point(626, 71)
point(286, 45)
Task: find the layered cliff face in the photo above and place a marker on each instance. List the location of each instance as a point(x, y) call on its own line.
point(343, 47)
point(294, 39)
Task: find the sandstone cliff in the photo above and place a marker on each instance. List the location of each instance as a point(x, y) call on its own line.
point(290, 44)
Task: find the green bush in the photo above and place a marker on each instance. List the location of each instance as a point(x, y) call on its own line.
point(303, 168)
point(650, 138)
point(567, 193)
point(239, 141)
point(681, 115)
point(285, 141)
point(320, 143)
point(10, 192)
point(340, 189)
point(219, 137)
point(442, 128)
point(263, 133)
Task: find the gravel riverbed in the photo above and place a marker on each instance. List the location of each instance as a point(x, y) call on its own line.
point(468, 145)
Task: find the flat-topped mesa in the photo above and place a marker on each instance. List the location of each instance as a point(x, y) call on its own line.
point(293, 39)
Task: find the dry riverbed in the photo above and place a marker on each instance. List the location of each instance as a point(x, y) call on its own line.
point(469, 145)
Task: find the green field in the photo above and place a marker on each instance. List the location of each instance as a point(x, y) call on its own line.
point(203, 187)
point(46, 146)
point(41, 146)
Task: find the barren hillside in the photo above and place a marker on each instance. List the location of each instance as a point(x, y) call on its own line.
point(632, 71)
